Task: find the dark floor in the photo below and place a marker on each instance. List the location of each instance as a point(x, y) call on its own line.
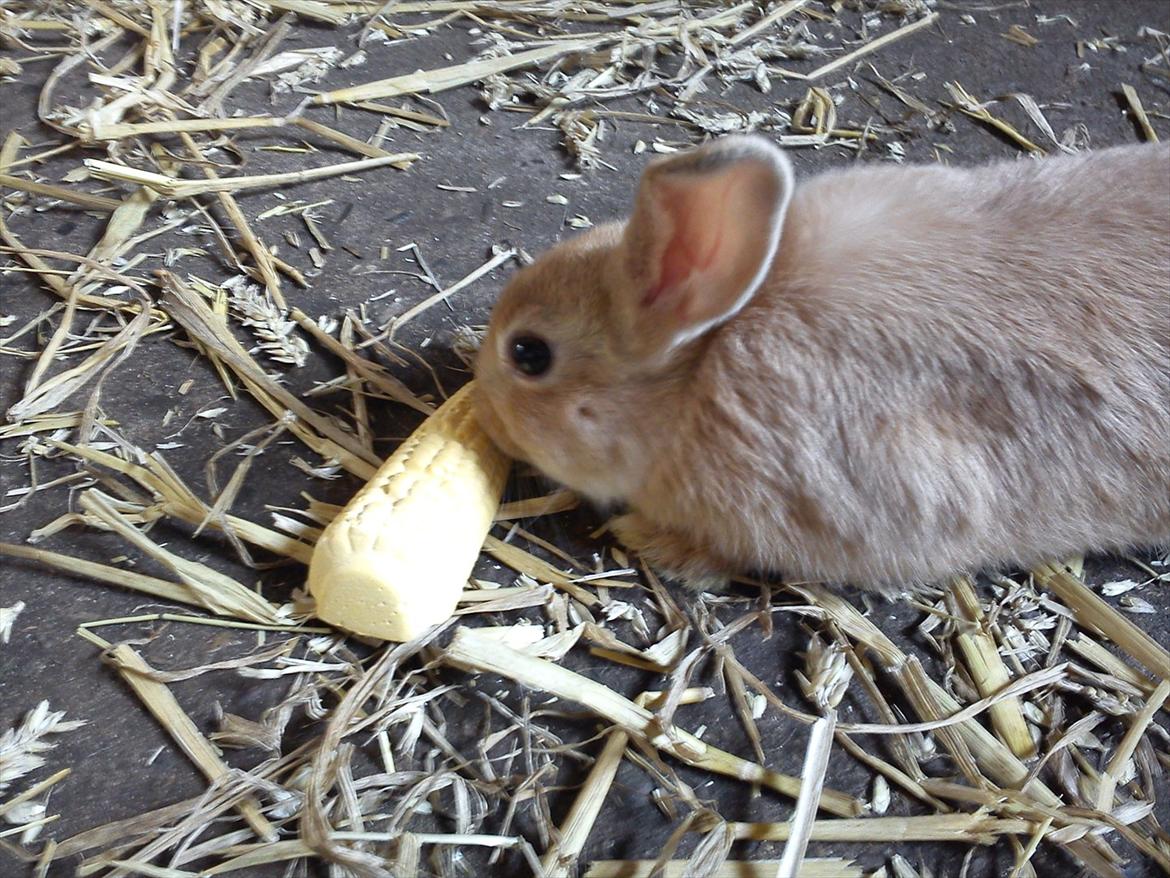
point(122, 762)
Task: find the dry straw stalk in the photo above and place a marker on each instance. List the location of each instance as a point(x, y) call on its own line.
point(1096, 615)
point(970, 828)
point(165, 708)
point(173, 187)
point(469, 649)
point(574, 832)
point(828, 867)
point(988, 670)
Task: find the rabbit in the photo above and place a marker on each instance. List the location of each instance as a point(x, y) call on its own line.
point(883, 376)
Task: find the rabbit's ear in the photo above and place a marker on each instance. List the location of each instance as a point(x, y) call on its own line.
point(705, 227)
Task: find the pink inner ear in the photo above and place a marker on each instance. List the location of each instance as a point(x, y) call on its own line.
point(695, 241)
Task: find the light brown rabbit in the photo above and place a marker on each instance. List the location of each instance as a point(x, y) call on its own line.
point(882, 376)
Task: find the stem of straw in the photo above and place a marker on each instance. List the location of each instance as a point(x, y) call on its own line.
point(470, 649)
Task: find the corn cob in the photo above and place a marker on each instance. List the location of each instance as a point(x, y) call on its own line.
point(396, 559)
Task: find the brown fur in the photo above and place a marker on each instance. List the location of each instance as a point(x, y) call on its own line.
point(942, 369)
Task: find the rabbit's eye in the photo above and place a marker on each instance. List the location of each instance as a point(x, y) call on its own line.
point(530, 354)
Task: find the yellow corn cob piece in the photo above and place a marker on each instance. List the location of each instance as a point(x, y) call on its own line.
point(396, 559)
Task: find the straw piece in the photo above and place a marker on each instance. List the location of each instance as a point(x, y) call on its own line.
point(558, 501)
point(472, 650)
point(279, 852)
point(403, 113)
point(46, 274)
point(443, 78)
point(1095, 614)
point(970, 106)
point(988, 670)
point(35, 790)
point(1095, 854)
point(159, 588)
point(992, 755)
point(1092, 651)
point(1025, 854)
point(812, 780)
point(328, 12)
point(873, 46)
point(1069, 736)
point(1129, 743)
point(74, 196)
point(213, 590)
point(122, 130)
point(497, 260)
point(50, 422)
point(827, 867)
point(538, 569)
point(350, 143)
point(972, 828)
point(559, 859)
point(1045, 677)
point(177, 501)
point(24, 827)
point(781, 11)
point(369, 371)
point(1139, 112)
point(52, 392)
point(1018, 35)
point(200, 620)
point(361, 408)
point(918, 688)
point(890, 771)
point(158, 699)
point(261, 255)
point(173, 187)
point(9, 150)
point(189, 311)
point(122, 227)
point(123, 21)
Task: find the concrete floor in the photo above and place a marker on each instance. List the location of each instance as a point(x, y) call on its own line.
point(123, 764)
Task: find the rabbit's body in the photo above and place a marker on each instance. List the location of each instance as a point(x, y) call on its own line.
point(939, 370)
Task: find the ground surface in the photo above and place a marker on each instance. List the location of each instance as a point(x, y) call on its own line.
point(122, 763)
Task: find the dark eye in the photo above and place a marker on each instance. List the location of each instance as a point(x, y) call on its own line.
point(530, 354)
